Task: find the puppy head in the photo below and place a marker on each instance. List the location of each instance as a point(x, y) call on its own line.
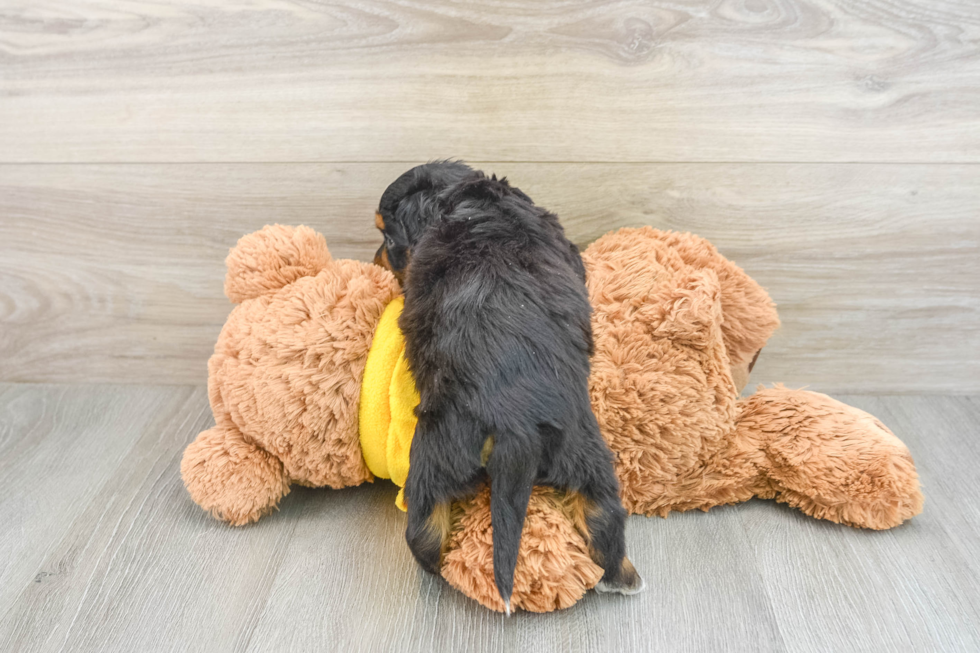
point(408, 205)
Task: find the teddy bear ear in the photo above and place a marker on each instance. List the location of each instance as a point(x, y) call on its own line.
point(692, 309)
point(750, 316)
point(272, 258)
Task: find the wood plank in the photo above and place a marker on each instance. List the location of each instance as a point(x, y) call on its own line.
point(139, 567)
point(910, 588)
point(703, 589)
point(114, 272)
point(942, 434)
point(669, 80)
point(106, 552)
point(135, 565)
point(60, 448)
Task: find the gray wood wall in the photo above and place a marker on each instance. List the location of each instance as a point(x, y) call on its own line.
point(830, 148)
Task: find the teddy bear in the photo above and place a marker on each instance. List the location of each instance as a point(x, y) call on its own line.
point(308, 385)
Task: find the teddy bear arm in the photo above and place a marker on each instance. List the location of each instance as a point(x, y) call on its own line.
point(830, 460)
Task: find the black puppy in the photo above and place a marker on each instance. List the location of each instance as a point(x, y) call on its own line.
point(498, 337)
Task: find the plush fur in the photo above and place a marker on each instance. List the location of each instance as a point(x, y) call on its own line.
point(285, 376)
point(673, 322)
point(497, 335)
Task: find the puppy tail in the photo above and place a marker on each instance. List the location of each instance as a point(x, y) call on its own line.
point(512, 474)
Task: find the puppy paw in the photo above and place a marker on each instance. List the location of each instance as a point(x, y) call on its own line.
point(432, 565)
point(608, 588)
point(626, 582)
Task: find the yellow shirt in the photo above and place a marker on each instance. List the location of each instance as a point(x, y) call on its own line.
point(388, 399)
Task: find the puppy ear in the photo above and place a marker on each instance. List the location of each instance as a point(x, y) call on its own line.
point(477, 187)
point(692, 309)
point(415, 212)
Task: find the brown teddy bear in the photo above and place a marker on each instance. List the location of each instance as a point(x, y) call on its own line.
point(308, 385)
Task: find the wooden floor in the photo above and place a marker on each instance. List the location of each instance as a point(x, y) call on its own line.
point(102, 550)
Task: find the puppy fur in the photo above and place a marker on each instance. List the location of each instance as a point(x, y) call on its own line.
point(498, 337)
point(408, 205)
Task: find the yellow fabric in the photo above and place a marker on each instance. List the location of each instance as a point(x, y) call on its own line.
point(402, 400)
point(388, 400)
point(373, 413)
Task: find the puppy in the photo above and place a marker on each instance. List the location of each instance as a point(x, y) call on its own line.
point(498, 336)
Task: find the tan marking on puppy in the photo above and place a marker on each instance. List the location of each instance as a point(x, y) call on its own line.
point(440, 525)
point(578, 510)
point(486, 451)
point(383, 259)
point(379, 222)
point(631, 581)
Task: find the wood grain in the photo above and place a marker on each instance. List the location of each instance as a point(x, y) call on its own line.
point(404, 604)
point(116, 575)
point(103, 550)
point(61, 449)
point(947, 424)
point(114, 272)
point(389, 80)
point(820, 576)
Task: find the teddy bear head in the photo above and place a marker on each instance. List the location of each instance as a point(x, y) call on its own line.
point(676, 326)
point(287, 368)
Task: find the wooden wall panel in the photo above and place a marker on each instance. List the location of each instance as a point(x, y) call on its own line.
point(390, 80)
point(831, 147)
point(114, 272)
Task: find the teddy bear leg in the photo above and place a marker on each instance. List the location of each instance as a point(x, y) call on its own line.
point(232, 479)
point(830, 460)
